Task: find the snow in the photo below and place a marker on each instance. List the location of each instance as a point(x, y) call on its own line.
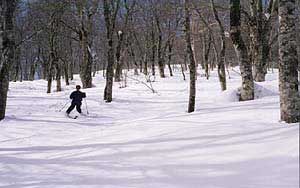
point(148, 140)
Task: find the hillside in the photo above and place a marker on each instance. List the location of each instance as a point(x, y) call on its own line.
point(148, 140)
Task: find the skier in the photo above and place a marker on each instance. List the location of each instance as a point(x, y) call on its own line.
point(76, 97)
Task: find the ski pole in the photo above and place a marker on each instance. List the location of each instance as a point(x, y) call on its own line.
point(87, 111)
point(64, 106)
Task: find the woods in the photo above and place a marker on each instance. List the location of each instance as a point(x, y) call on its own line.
point(55, 40)
point(149, 93)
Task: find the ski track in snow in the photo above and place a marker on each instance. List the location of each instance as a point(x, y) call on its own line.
point(146, 140)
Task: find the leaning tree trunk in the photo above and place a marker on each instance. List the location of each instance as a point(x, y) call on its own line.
point(221, 56)
point(7, 46)
point(288, 63)
point(192, 96)
point(247, 91)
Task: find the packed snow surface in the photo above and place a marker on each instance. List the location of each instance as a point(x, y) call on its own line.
point(148, 140)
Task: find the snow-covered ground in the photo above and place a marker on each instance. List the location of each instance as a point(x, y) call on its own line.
point(146, 140)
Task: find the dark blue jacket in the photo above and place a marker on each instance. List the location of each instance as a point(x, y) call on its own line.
point(76, 97)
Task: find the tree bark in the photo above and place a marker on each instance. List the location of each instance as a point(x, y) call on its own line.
point(190, 53)
point(247, 91)
point(288, 63)
point(7, 47)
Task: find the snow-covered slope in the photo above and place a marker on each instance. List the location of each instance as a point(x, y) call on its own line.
point(146, 140)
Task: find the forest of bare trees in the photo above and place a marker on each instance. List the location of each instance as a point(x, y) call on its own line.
point(54, 40)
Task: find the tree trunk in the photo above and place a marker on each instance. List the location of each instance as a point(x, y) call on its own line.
point(85, 44)
point(182, 71)
point(130, 51)
point(260, 31)
point(247, 91)
point(160, 54)
point(86, 67)
point(25, 70)
point(71, 65)
point(119, 64)
point(288, 63)
point(110, 13)
point(153, 52)
point(66, 73)
point(17, 65)
point(58, 77)
point(52, 58)
point(45, 64)
point(206, 51)
point(109, 70)
point(221, 56)
point(7, 47)
point(190, 53)
point(170, 45)
point(145, 68)
point(50, 71)
point(32, 71)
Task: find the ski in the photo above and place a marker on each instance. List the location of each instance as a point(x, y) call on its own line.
point(72, 117)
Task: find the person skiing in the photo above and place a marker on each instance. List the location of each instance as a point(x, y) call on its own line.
point(76, 97)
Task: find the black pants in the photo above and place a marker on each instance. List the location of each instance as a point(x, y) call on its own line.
point(73, 106)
